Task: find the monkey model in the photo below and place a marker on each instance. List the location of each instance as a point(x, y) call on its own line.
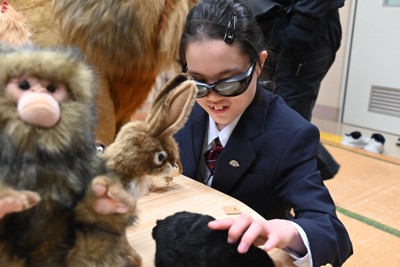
point(59, 205)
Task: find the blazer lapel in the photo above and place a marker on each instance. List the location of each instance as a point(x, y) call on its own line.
point(233, 161)
point(198, 134)
point(193, 135)
point(239, 154)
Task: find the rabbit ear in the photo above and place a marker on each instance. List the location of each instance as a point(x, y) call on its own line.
point(171, 106)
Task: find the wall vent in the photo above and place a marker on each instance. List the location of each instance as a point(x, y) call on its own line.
point(385, 100)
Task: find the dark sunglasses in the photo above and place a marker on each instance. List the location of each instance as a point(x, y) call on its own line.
point(232, 86)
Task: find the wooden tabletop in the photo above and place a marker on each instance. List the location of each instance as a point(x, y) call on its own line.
point(185, 194)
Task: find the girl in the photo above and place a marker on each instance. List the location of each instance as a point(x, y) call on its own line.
point(267, 151)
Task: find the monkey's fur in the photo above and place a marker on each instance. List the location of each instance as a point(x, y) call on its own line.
point(64, 227)
point(184, 239)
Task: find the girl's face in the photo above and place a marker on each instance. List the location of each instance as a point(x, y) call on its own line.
point(213, 60)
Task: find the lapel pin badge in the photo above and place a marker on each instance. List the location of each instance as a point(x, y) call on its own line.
point(234, 163)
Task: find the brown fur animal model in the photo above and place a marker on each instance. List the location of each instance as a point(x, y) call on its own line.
point(144, 153)
point(59, 204)
point(39, 18)
point(129, 42)
point(13, 28)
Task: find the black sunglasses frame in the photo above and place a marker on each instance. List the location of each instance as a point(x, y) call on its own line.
point(244, 79)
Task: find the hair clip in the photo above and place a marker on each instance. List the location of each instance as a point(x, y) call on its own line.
point(230, 31)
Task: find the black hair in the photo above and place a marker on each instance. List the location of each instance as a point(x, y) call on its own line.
point(215, 19)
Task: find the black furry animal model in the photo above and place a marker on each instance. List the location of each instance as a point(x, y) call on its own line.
point(184, 239)
point(59, 206)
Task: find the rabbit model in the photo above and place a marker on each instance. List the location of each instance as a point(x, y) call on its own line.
point(144, 153)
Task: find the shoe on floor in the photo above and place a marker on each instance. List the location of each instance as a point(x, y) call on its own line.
point(375, 143)
point(355, 139)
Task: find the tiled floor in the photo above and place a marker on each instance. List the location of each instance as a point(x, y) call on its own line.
point(339, 129)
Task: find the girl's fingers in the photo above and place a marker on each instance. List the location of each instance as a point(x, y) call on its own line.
point(239, 227)
point(272, 242)
point(246, 229)
point(255, 234)
point(223, 224)
point(236, 227)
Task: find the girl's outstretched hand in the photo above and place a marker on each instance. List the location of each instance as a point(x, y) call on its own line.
point(270, 234)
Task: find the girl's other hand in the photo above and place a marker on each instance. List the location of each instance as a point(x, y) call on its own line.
point(270, 234)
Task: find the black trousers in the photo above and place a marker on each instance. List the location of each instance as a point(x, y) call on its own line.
point(297, 75)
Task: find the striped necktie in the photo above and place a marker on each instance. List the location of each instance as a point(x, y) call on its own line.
point(211, 156)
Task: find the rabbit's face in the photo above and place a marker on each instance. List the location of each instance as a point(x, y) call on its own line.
point(136, 154)
point(153, 163)
point(155, 156)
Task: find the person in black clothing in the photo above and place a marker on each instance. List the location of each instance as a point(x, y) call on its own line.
point(304, 36)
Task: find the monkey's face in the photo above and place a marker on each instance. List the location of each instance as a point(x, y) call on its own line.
point(38, 100)
point(46, 99)
point(42, 114)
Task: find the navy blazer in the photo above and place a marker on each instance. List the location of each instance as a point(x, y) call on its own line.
point(276, 150)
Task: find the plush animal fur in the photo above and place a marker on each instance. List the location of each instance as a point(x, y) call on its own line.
point(13, 28)
point(144, 153)
point(40, 20)
point(184, 239)
point(129, 42)
point(73, 212)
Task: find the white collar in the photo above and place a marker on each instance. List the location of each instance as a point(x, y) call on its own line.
point(224, 134)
